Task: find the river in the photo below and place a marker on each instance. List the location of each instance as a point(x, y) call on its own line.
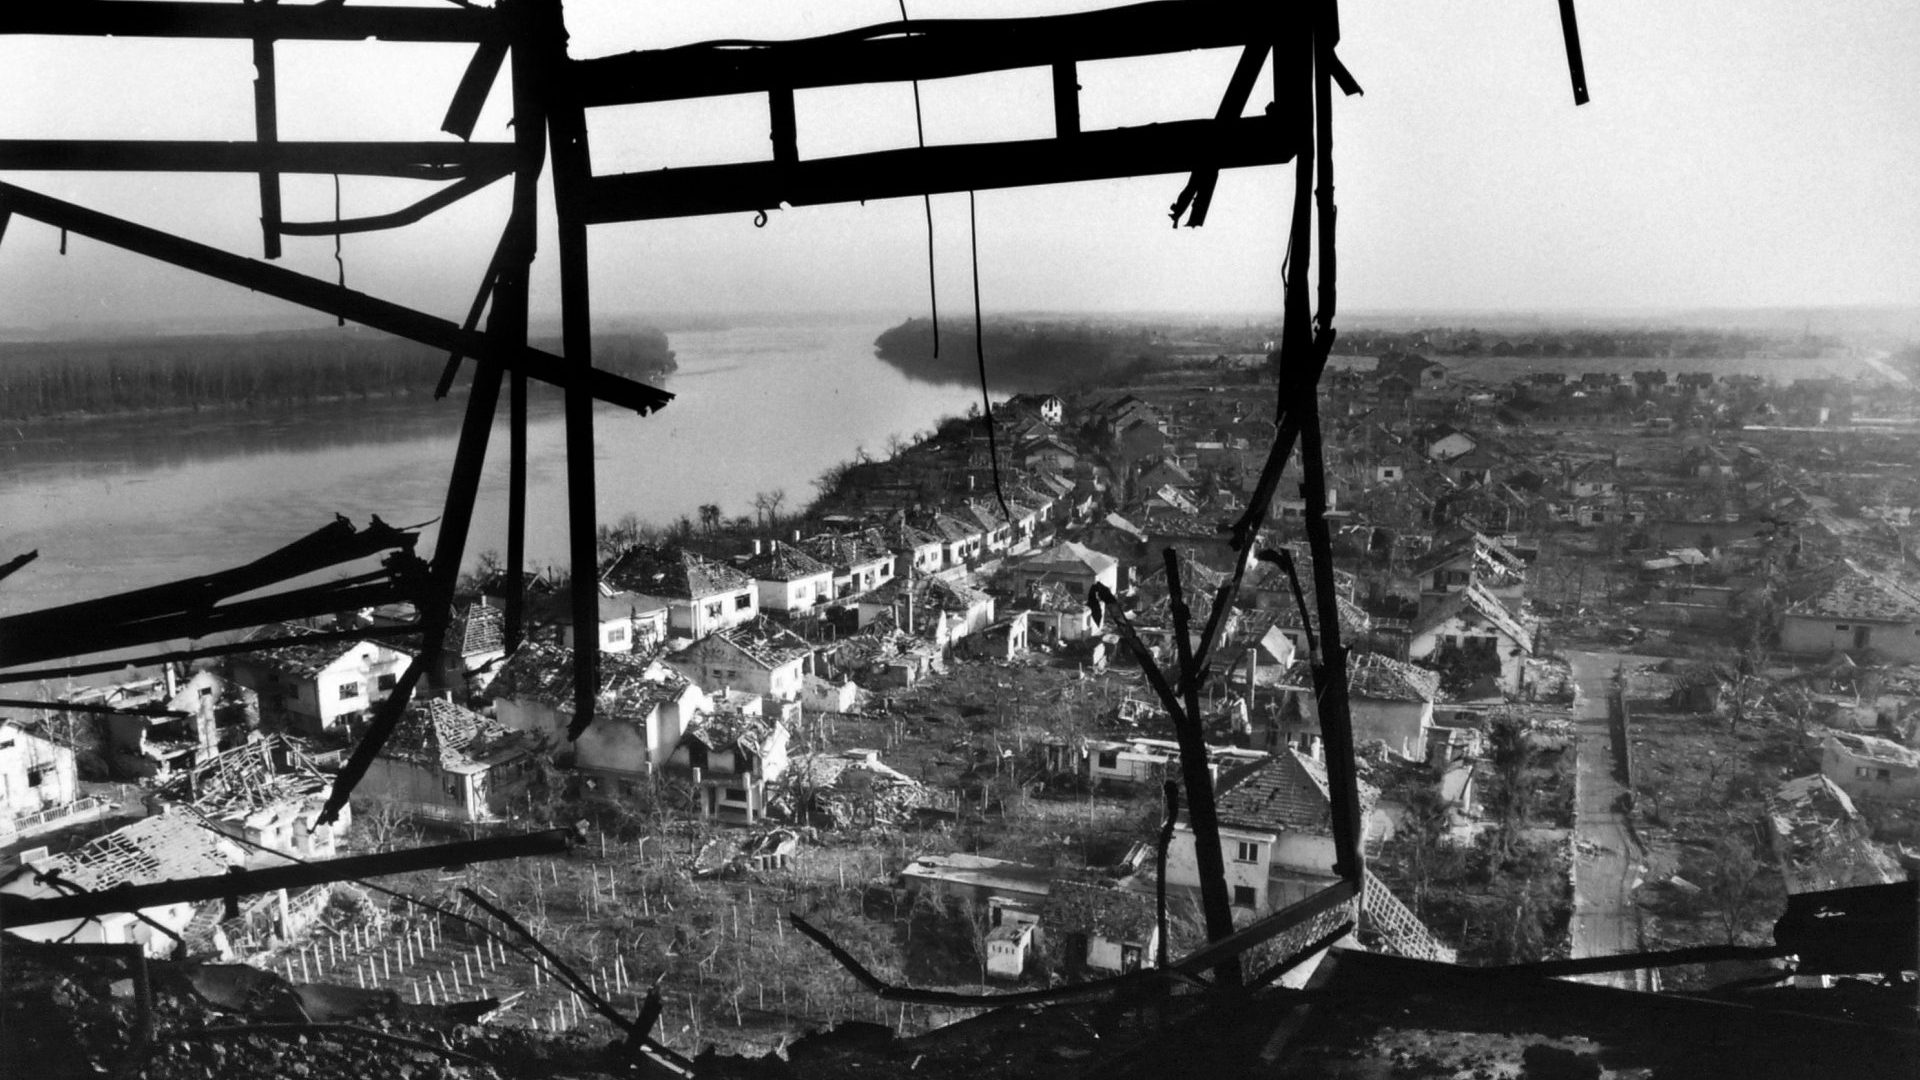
point(120, 503)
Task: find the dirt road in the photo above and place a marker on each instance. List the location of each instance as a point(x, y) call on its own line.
point(1607, 862)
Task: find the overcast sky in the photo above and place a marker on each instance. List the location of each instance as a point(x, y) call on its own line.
point(1737, 153)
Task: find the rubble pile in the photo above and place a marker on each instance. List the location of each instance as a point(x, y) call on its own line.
point(78, 1015)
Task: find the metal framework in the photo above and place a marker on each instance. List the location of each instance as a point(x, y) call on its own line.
point(551, 94)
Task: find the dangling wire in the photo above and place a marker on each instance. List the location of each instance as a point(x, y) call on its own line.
point(926, 200)
point(980, 355)
point(339, 263)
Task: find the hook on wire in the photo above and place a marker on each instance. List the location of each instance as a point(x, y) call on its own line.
point(760, 220)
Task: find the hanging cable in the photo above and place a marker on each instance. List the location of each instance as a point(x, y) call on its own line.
point(926, 200)
point(339, 263)
point(980, 355)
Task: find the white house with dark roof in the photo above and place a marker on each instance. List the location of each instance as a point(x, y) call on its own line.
point(1859, 610)
point(860, 561)
point(759, 657)
point(321, 688)
point(702, 595)
point(1474, 622)
point(789, 578)
point(628, 621)
point(913, 549)
point(1276, 833)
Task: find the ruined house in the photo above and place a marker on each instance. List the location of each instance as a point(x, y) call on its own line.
point(1870, 768)
point(628, 622)
point(637, 731)
point(789, 579)
point(322, 688)
point(1104, 928)
point(266, 794)
point(445, 763)
point(731, 757)
point(1074, 566)
point(1859, 609)
point(759, 657)
point(1472, 623)
point(702, 595)
point(1276, 835)
point(38, 782)
point(1390, 700)
point(153, 849)
point(533, 690)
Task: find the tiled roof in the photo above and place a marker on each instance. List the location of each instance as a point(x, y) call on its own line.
point(443, 733)
point(544, 673)
point(1476, 598)
point(766, 643)
point(950, 528)
point(847, 549)
point(674, 573)
point(153, 849)
point(1372, 675)
point(1857, 593)
point(481, 628)
point(307, 661)
point(944, 594)
point(988, 516)
point(1098, 910)
point(1353, 618)
point(1050, 596)
point(784, 562)
point(1070, 556)
point(898, 535)
point(1286, 793)
point(627, 605)
point(723, 729)
point(1483, 548)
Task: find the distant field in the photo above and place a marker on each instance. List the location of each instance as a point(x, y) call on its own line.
point(1501, 369)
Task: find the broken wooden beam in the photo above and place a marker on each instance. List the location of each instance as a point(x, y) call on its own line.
point(305, 22)
point(197, 606)
point(922, 49)
point(406, 160)
point(24, 911)
point(886, 174)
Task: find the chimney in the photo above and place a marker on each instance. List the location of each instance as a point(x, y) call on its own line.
point(796, 536)
point(756, 547)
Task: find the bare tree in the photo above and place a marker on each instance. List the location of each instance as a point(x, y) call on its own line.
point(1731, 883)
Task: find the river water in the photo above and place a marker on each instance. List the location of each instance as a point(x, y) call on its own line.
point(122, 503)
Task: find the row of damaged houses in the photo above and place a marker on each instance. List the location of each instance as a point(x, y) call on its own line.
point(1276, 843)
point(253, 805)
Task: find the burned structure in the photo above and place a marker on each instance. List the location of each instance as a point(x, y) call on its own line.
point(551, 94)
